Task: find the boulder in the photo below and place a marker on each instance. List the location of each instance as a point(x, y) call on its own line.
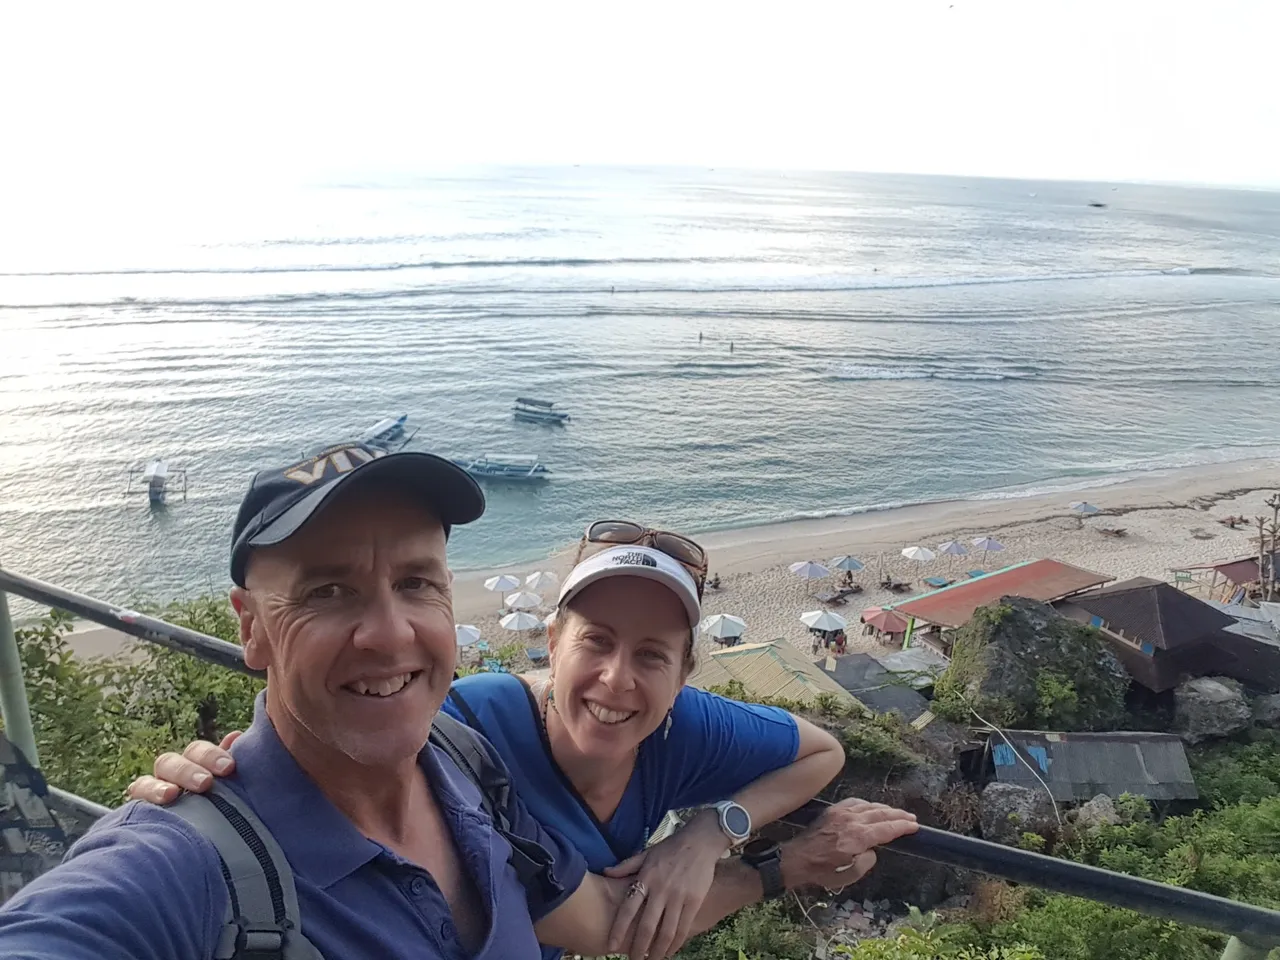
point(1266, 710)
point(1098, 812)
point(1007, 653)
point(1208, 707)
point(1007, 811)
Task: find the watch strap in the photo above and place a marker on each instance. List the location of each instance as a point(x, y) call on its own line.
point(770, 870)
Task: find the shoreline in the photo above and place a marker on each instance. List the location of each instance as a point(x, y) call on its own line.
point(1170, 516)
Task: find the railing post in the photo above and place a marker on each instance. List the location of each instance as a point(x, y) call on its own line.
point(1237, 949)
point(13, 691)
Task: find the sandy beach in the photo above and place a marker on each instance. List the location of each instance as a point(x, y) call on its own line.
point(1170, 519)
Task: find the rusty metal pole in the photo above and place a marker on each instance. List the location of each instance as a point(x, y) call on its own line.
point(14, 708)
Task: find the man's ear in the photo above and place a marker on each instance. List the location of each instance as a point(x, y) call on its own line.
point(256, 654)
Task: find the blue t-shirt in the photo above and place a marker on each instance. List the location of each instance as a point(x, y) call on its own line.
point(144, 885)
point(716, 747)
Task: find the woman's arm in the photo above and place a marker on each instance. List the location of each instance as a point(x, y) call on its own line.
point(678, 872)
point(819, 758)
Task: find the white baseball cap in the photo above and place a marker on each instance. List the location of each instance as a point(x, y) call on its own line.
point(635, 561)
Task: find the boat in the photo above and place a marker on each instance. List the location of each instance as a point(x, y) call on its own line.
point(521, 469)
point(155, 476)
point(389, 434)
point(538, 411)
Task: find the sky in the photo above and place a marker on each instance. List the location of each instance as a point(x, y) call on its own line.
point(153, 94)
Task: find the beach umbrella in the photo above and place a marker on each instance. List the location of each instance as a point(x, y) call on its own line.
point(809, 570)
point(886, 621)
point(541, 581)
point(987, 545)
point(1082, 509)
point(919, 554)
point(823, 620)
point(852, 564)
point(520, 621)
point(502, 584)
point(954, 548)
point(524, 600)
point(722, 626)
point(466, 634)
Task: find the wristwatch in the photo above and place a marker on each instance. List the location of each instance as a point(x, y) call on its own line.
point(766, 856)
point(734, 821)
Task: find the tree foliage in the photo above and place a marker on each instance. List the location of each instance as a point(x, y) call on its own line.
point(100, 722)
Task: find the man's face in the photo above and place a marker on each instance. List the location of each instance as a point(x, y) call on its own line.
point(352, 618)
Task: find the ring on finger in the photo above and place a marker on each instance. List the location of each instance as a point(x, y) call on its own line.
point(637, 889)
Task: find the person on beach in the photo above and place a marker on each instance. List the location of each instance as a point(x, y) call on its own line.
point(614, 739)
point(343, 597)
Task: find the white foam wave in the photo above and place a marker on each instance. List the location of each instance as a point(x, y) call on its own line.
point(856, 371)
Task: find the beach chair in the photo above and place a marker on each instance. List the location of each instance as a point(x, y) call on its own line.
point(1112, 531)
point(537, 655)
point(975, 574)
point(494, 666)
point(937, 582)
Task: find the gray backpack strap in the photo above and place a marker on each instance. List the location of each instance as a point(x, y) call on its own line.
point(262, 920)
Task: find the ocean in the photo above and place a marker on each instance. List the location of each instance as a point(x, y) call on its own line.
point(735, 348)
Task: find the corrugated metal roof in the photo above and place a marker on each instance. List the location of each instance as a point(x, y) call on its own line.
point(1044, 580)
point(1079, 766)
point(873, 685)
point(1154, 612)
point(923, 663)
point(771, 669)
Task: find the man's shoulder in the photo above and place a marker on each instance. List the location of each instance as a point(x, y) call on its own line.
point(482, 687)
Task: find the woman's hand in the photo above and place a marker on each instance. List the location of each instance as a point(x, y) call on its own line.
point(676, 874)
point(189, 770)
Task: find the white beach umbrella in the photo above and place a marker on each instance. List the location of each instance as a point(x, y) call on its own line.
point(852, 564)
point(524, 600)
point(987, 545)
point(809, 570)
point(954, 548)
point(541, 581)
point(520, 621)
point(466, 634)
point(722, 626)
point(823, 620)
point(502, 584)
point(1084, 508)
point(919, 554)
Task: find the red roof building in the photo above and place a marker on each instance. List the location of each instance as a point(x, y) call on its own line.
point(1043, 580)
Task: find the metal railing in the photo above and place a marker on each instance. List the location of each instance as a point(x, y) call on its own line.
point(1253, 930)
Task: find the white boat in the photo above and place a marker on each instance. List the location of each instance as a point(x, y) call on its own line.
point(389, 434)
point(538, 411)
point(155, 477)
point(520, 469)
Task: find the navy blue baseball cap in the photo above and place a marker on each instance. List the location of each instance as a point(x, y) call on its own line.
point(281, 501)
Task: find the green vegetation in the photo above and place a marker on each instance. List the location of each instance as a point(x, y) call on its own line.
point(1239, 771)
point(100, 723)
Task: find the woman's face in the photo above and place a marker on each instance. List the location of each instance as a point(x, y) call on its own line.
point(618, 661)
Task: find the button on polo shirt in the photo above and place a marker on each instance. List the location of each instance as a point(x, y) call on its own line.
point(143, 885)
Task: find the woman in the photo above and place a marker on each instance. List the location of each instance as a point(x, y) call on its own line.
point(614, 739)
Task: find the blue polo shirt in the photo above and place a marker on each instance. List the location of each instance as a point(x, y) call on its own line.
point(143, 885)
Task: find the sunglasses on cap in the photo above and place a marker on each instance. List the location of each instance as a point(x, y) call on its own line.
point(626, 533)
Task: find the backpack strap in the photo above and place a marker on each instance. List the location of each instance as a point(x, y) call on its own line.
point(472, 754)
point(261, 920)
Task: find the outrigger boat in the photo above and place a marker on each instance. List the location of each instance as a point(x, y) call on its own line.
point(520, 469)
point(155, 477)
point(538, 411)
point(390, 434)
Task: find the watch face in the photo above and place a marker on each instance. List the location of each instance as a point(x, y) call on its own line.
point(737, 821)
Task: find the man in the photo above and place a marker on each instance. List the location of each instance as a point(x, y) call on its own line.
point(343, 594)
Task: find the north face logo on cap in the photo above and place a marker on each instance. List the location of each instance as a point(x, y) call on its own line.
point(343, 459)
point(634, 558)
